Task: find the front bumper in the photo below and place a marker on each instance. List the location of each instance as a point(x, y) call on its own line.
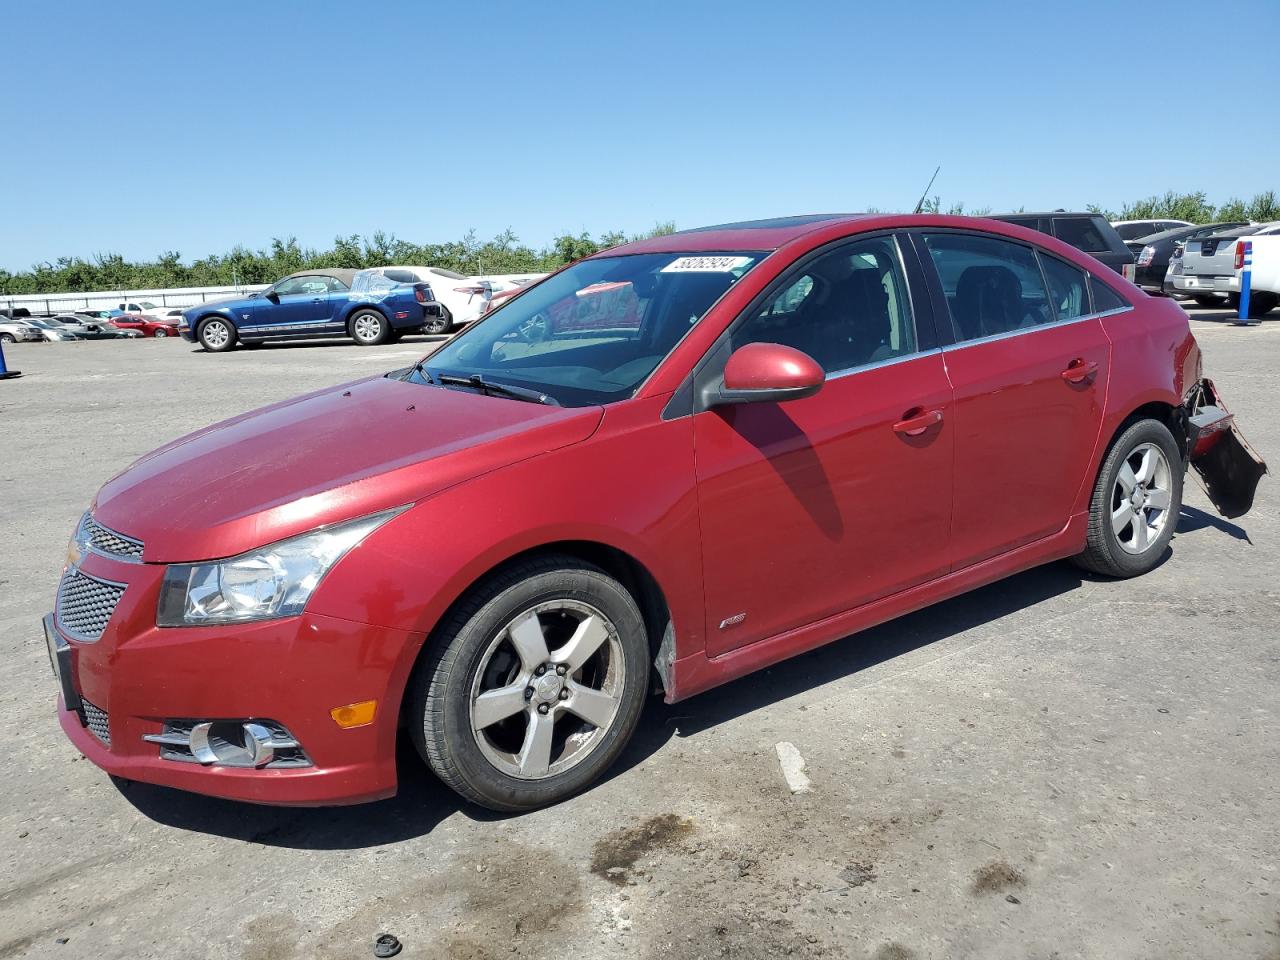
point(292, 671)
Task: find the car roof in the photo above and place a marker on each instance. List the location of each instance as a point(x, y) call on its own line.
point(345, 274)
point(744, 235)
point(1044, 213)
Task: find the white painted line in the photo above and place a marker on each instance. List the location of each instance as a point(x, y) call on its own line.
point(792, 767)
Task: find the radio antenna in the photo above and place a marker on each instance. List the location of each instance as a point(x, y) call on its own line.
point(926, 190)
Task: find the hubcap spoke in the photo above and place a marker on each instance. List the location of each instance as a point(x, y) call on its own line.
point(1141, 533)
point(530, 644)
point(496, 705)
point(535, 755)
point(1147, 467)
point(593, 706)
point(1122, 517)
point(1126, 478)
point(1159, 499)
point(586, 640)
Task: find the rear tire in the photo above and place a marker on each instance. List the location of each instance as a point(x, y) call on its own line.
point(216, 335)
point(369, 328)
point(527, 619)
point(1260, 304)
point(1208, 300)
point(1135, 504)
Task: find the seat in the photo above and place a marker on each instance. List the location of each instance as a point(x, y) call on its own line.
point(850, 325)
point(988, 301)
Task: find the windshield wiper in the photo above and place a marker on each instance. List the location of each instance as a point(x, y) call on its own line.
point(501, 389)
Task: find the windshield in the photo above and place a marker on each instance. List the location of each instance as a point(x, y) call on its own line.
point(593, 332)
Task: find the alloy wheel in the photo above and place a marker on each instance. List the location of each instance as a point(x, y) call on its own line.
point(215, 333)
point(1141, 498)
point(368, 328)
point(547, 689)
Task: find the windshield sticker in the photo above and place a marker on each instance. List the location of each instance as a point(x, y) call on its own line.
point(370, 287)
point(706, 265)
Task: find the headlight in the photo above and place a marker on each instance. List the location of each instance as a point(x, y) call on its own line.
point(274, 581)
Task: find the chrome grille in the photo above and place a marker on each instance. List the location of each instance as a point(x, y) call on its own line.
point(85, 604)
point(109, 542)
point(96, 720)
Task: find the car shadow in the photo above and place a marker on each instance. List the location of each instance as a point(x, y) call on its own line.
point(422, 801)
point(1191, 520)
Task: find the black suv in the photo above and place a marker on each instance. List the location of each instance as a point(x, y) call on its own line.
point(1090, 232)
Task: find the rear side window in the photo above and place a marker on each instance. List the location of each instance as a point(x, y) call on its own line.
point(1068, 290)
point(1104, 298)
point(992, 286)
point(1082, 233)
point(400, 276)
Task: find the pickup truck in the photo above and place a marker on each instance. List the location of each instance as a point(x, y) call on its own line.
point(1208, 266)
point(1264, 282)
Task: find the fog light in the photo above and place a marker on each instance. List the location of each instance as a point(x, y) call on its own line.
point(354, 714)
point(229, 743)
point(232, 744)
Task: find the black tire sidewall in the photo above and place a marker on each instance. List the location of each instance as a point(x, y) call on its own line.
point(442, 710)
point(1127, 564)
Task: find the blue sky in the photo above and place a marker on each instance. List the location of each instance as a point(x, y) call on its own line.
point(140, 127)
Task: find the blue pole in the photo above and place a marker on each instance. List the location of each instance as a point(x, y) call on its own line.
point(1246, 281)
point(5, 372)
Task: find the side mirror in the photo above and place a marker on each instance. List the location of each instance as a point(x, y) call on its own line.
point(770, 373)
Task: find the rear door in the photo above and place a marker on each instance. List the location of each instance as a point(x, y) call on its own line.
point(1029, 363)
point(816, 506)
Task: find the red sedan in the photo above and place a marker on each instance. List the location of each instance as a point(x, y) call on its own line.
point(147, 326)
point(667, 465)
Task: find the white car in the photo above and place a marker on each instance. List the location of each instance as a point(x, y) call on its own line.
point(464, 298)
point(1137, 229)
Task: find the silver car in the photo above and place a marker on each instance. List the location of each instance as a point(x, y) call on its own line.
point(17, 331)
point(1208, 264)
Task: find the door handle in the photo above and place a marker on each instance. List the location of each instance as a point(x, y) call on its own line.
point(916, 422)
point(317, 300)
point(1079, 370)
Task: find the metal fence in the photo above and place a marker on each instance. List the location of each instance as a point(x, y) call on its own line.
point(54, 303)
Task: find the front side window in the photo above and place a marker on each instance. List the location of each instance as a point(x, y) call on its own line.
point(1067, 288)
point(1082, 233)
point(593, 332)
point(847, 308)
point(992, 286)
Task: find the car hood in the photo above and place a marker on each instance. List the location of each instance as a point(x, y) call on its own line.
point(226, 303)
point(322, 458)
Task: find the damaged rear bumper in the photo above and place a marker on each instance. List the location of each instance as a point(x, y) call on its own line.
point(1229, 468)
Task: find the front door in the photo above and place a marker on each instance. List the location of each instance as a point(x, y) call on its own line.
point(1029, 368)
point(816, 506)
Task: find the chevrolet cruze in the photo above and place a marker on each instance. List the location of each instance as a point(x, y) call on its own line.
point(660, 468)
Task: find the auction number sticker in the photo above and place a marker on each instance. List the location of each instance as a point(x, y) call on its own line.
point(706, 265)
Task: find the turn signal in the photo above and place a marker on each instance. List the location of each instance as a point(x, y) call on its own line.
point(354, 714)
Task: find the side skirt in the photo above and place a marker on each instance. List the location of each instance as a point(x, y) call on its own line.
point(694, 674)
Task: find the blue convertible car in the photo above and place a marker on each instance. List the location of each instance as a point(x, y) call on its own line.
point(368, 307)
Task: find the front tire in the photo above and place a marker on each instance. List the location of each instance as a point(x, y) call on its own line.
point(369, 328)
point(8, 338)
point(533, 685)
point(216, 335)
point(160, 334)
point(1135, 504)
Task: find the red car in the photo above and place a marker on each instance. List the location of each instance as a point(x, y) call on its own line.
point(147, 326)
point(665, 466)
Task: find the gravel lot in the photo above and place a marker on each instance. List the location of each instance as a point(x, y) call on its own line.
point(1053, 766)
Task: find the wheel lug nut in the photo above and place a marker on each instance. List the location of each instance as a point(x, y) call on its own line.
point(561, 670)
point(528, 693)
point(564, 694)
point(544, 707)
point(541, 670)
